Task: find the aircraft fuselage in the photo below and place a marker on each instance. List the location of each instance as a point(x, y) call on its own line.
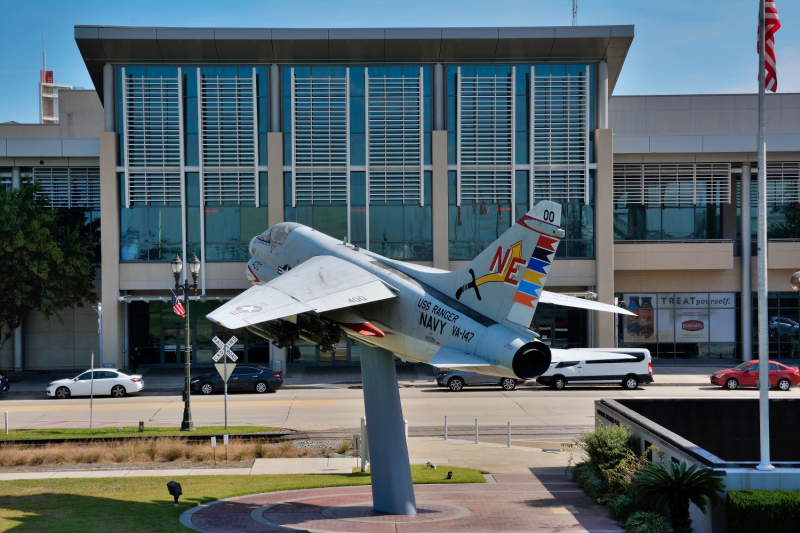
point(418, 322)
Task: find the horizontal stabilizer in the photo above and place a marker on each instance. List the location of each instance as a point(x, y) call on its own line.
point(570, 301)
point(452, 358)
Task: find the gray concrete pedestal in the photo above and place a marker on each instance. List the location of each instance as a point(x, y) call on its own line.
point(392, 489)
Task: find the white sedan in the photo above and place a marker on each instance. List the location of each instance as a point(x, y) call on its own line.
point(106, 382)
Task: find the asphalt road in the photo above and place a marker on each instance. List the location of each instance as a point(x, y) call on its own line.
point(330, 408)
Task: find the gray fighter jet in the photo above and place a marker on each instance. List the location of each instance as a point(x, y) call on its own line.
point(310, 286)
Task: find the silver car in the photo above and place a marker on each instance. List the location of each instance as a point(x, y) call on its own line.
point(456, 380)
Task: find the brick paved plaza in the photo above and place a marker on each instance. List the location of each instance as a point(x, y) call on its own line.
point(509, 502)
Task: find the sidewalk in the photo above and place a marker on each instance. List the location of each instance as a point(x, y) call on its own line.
point(171, 380)
point(493, 457)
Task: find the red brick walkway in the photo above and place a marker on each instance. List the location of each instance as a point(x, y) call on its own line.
point(516, 502)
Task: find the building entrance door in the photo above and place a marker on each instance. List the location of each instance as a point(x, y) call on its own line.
point(173, 345)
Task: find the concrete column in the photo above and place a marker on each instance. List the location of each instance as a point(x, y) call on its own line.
point(602, 96)
point(109, 252)
point(16, 183)
point(747, 290)
point(729, 218)
point(604, 236)
point(274, 98)
point(109, 98)
point(439, 207)
point(392, 490)
point(275, 176)
point(438, 97)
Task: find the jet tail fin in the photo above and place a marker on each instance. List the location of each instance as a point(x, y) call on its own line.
point(545, 220)
point(505, 281)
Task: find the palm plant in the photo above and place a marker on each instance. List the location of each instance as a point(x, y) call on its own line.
point(677, 487)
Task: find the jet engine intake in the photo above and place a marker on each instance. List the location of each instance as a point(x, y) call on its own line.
point(531, 360)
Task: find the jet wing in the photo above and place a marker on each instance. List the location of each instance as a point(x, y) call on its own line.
point(320, 284)
point(570, 301)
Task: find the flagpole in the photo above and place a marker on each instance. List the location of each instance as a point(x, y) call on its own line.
point(763, 338)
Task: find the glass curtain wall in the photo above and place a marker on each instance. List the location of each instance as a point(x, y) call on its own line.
point(497, 160)
point(783, 207)
point(211, 119)
point(358, 139)
point(670, 202)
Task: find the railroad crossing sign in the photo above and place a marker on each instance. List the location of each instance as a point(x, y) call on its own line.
point(224, 349)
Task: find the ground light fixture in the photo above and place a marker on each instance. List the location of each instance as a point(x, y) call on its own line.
point(174, 489)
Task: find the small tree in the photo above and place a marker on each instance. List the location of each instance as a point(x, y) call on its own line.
point(678, 487)
point(45, 260)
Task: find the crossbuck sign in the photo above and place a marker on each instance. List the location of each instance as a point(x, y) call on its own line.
point(224, 349)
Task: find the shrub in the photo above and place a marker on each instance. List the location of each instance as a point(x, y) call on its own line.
point(590, 479)
point(647, 522)
point(607, 446)
point(776, 511)
point(345, 446)
point(621, 507)
point(173, 450)
point(678, 487)
point(611, 450)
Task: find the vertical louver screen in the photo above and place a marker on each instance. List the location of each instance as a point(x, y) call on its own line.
point(320, 151)
point(672, 184)
point(228, 122)
point(560, 137)
point(229, 146)
point(153, 128)
point(485, 138)
point(395, 137)
point(152, 115)
point(70, 187)
point(783, 183)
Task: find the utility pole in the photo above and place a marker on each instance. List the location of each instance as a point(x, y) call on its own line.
point(574, 12)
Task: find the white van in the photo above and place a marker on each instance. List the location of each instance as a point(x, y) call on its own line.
point(584, 370)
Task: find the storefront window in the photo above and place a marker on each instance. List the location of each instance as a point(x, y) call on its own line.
point(681, 325)
point(782, 325)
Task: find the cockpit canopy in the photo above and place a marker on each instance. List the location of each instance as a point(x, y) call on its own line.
point(277, 234)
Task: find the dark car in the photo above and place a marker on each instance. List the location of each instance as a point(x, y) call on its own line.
point(3, 382)
point(250, 378)
point(456, 380)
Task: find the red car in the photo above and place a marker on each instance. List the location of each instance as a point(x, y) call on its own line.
point(746, 375)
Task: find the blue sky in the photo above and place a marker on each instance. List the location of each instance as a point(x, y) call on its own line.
point(681, 46)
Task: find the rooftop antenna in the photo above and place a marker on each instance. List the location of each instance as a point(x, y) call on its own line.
point(574, 12)
point(44, 58)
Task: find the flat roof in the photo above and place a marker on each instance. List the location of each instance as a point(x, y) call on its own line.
point(117, 44)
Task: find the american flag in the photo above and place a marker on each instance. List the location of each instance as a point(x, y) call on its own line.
point(177, 306)
point(771, 25)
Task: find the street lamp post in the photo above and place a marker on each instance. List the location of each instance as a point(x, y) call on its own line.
point(194, 267)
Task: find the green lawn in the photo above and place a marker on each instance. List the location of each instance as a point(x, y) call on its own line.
point(65, 433)
point(143, 504)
